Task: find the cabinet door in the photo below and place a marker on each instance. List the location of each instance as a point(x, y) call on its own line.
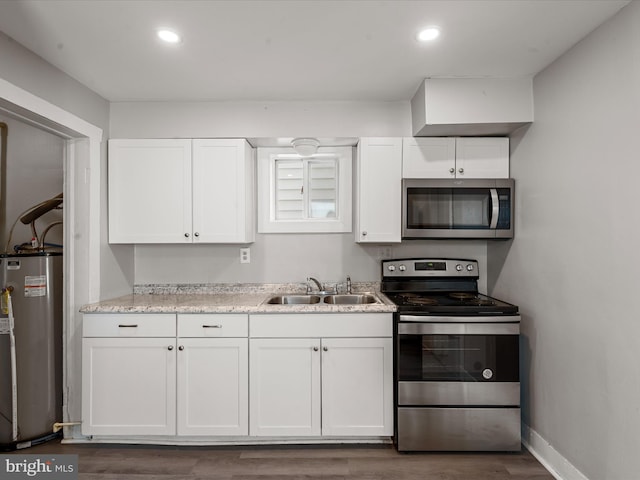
point(223, 180)
point(428, 157)
point(357, 386)
point(128, 386)
point(150, 191)
point(213, 386)
point(284, 382)
point(378, 192)
point(486, 157)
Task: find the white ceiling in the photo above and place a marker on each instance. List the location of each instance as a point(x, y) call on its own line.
point(297, 49)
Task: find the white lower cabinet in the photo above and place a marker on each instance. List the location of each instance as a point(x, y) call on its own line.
point(285, 386)
point(357, 388)
point(212, 386)
point(128, 381)
point(326, 386)
point(140, 379)
point(213, 375)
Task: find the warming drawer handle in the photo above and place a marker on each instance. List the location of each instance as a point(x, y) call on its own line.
point(211, 326)
point(495, 208)
point(127, 326)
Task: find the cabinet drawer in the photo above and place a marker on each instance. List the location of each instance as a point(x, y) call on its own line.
point(313, 325)
point(129, 325)
point(213, 325)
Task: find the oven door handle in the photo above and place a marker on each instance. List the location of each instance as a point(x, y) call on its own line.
point(495, 208)
point(459, 319)
point(415, 328)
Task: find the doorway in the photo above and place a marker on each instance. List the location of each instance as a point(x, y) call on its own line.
point(81, 152)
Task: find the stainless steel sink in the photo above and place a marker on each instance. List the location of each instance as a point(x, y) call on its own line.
point(294, 299)
point(350, 299)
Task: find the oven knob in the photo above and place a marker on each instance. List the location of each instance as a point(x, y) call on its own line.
point(470, 267)
point(459, 267)
point(392, 268)
point(402, 268)
point(487, 373)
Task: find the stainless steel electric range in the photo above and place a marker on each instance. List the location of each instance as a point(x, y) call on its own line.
point(457, 384)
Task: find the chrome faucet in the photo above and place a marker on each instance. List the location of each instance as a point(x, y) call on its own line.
point(348, 284)
point(318, 284)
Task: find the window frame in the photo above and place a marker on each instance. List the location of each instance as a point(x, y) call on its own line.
point(267, 222)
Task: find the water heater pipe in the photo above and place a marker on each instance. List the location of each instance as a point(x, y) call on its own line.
point(4, 131)
point(58, 425)
point(14, 371)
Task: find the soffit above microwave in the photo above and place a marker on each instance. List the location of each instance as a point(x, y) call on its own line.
point(471, 106)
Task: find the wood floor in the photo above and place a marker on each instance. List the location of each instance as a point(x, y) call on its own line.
point(118, 462)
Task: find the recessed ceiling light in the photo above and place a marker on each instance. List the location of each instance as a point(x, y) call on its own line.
point(428, 34)
point(169, 36)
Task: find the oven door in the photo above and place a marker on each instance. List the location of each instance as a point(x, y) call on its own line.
point(455, 364)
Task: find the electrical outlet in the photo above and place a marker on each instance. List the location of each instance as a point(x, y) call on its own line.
point(385, 252)
point(245, 255)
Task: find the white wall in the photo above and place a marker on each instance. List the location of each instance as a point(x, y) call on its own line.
point(34, 173)
point(26, 70)
point(573, 266)
point(274, 258)
point(281, 258)
point(259, 119)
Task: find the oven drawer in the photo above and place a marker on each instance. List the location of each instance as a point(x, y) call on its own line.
point(458, 429)
point(459, 393)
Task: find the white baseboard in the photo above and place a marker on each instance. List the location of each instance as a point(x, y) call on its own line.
point(549, 457)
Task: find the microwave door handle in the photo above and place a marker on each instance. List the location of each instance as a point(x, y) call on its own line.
point(495, 208)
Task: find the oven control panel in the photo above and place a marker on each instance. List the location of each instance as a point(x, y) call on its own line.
point(429, 267)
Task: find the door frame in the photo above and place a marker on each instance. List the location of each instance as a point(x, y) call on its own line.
point(81, 219)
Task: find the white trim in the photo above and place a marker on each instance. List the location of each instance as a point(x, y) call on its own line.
point(549, 457)
point(48, 111)
point(266, 193)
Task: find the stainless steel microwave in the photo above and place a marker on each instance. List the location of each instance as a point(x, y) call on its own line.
point(448, 208)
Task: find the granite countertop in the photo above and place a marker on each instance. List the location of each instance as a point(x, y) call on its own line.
point(228, 298)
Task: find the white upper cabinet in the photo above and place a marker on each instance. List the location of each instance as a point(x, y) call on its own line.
point(149, 191)
point(378, 190)
point(455, 157)
point(223, 191)
point(428, 157)
point(181, 191)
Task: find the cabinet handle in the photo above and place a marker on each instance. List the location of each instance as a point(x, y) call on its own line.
point(181, 347)
point(325, 349)
point(186, 235)
point(452, 170)
point(364, 234)
point(211, 326)
point(196, 234)
point(461, 170)
point(315, 349)
point(170, 347)
point(127, 326)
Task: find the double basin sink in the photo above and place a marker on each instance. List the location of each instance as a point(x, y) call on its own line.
point(332, 299)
